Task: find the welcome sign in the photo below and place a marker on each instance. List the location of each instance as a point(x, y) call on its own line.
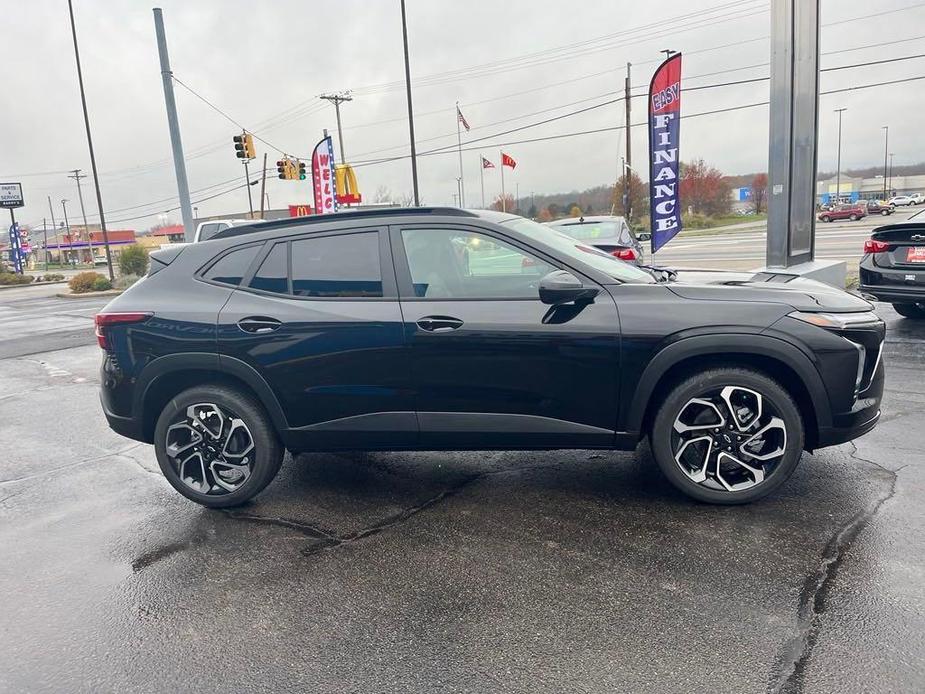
point(664, 132)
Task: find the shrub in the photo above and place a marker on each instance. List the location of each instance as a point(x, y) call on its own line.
point(53, 277)
point(133, 260)
point(101, 284)
point(125, 281)
point(86, 282)
point(10, 278)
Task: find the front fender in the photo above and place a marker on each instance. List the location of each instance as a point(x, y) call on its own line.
point(732, 344)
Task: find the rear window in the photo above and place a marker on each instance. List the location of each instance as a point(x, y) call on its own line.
point(207, 231)
point(337, 266)
point(231, 268)
point(594, 231)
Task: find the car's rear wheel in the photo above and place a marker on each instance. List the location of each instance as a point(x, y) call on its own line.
point(853, 218)
point(910, 310)
point(727, 436)
point(216, 446)
point(884, 212)
point(826, 218)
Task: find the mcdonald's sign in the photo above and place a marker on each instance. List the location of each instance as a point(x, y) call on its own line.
point(347, 188)
point(302, 210)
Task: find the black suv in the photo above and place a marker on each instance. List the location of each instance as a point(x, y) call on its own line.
point(429, 329)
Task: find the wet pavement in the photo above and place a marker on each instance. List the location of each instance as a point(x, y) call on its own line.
point(468, 572)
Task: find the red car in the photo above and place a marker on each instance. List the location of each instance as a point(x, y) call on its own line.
point(852, 212)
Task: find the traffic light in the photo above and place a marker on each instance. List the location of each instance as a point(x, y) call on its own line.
point(244, 146)
point(301, 170)
point(282, 167)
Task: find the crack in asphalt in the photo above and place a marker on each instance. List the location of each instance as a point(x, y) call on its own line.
point(795, 654)
point(84, 461)
point(327, 539)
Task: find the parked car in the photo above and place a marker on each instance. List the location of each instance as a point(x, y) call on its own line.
point(853, 212)
point(893, 267)
point(879, 207)
point(610, 234)
point(369, 331)
point(902, 200)
point(918, 198)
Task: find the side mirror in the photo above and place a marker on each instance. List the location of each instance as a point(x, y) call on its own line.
point(561, 287)
point(643, 236)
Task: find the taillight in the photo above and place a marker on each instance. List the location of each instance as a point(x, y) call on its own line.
point(624, 254)
point(103, 320)
point(874, 246)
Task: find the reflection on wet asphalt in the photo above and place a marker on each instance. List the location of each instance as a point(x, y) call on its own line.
point(562, 571)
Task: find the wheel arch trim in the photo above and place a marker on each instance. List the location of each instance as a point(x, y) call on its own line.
point(221, 365)
point(733, 344)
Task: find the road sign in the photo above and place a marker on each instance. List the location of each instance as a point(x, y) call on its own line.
point(11, 195)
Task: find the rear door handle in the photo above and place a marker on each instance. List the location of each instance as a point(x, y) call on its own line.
point(258, 324)
point(439, 324)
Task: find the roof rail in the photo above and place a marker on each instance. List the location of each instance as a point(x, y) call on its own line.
point(342, 216)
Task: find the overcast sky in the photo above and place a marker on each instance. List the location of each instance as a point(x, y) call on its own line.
point(509, 64)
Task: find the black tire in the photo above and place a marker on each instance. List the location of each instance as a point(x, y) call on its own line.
point(853, 218)
point(884, 212)
point(826, 218)
point(910, 310)
point(663, 433)
point(263, 464)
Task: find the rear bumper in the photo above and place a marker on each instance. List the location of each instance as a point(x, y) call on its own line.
point(125, 426)
point(894, 294)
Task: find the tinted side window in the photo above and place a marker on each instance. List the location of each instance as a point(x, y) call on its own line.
point(273, 275)
point(451, 264)
point(230, 269)
point(337, 266)
point(207, 231)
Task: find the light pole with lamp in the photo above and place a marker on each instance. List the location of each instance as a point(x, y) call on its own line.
point(839, 111)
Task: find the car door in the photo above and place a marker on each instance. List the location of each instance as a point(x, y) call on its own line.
point(492, 366)
point(318, 318)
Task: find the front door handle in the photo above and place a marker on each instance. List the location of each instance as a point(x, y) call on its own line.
point(258, 324)
point(439, 324)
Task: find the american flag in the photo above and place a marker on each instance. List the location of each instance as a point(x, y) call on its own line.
point(487, 164)
point(461, 118)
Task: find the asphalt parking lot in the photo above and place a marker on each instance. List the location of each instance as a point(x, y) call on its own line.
point(529, 572)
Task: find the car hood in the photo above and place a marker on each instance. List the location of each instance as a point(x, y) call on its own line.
point(800, 293)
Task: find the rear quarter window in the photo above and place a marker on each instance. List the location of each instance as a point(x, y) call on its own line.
point(231, 268)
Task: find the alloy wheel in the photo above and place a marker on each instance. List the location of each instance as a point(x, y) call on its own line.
point(211, 449)
point(729, 438)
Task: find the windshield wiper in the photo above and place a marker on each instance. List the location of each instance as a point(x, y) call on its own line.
point(661, 274)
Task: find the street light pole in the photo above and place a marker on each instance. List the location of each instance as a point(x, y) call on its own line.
point(839, 111)
point(414, 162)
point(886, 149)
point(96, 178)
point(889, 182)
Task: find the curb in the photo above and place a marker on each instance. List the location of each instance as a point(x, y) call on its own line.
point(31, 284)
point(89, 295)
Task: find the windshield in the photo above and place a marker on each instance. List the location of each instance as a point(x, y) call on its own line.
point(595, 231)
point(599, 260)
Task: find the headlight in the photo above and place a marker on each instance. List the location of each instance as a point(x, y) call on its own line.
point(838, 321)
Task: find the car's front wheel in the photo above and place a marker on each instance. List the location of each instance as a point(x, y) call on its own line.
point(910, 310)
point(826, 218)
point(216, 446)
point(853, 218)
point(727, 436)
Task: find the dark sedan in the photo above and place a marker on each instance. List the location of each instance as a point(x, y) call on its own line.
point(893, 267)
point(610, 234)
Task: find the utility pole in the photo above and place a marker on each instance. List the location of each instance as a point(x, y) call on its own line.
point(627, 209)
point(96, 178)
point(889, 182)
point(173, 124)
point(54, 226)
point(263, 184)
point(517, 198)
point(839, 111)
point(414, 162)
point(45, 233)
point(886, 149)
point(66, 225)
point(337, 100)
point(77, 176)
